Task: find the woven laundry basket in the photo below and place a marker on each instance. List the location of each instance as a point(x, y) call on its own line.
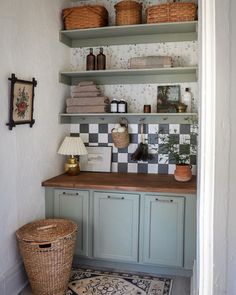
point(47, 248)
point(128, 13)
point(172, 12)
point(87, 16)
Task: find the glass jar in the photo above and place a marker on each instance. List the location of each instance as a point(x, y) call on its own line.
point(114, 105)
point(122, 106)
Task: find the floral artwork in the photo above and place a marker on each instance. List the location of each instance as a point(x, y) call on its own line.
point(21, 102)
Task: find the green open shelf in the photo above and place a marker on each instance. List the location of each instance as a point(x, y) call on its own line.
point(131, 76)
point(132, 34)
point(135, 118)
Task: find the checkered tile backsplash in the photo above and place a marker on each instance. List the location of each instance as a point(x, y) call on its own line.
point(100, 135)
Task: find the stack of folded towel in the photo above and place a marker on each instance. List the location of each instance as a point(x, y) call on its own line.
point(86, 98)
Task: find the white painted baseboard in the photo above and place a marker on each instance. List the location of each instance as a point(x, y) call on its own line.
point(13, 281)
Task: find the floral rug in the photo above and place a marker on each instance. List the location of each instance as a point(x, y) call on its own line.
point(96, 282)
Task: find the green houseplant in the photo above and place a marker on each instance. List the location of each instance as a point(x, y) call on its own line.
point(179, 151)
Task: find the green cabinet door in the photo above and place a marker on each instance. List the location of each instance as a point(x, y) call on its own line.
point(116, 223)
point(74, 205)
point(162, 235)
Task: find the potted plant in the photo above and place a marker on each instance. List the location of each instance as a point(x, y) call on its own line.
point(179, 154)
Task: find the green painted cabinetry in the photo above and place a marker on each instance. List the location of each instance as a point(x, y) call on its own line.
point(74, 205)
point(163, 230)
point(149, 232)
point(116, 226)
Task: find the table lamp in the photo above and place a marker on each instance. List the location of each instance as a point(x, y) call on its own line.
point(72, 146)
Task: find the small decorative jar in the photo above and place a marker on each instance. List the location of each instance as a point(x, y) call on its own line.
point(147, 108)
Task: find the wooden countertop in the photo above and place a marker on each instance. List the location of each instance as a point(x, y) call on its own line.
point(139, 182)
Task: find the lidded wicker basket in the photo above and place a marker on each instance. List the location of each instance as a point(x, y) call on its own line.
point(121, 139)
point(172, 12)
point(128, 12)
point(47, 247)
point(87, 16)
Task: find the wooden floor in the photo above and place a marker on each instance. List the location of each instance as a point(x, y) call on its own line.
point(181, 286)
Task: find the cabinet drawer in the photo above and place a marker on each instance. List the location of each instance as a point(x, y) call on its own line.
point(163, 230)
point(116, 220)
point(74, 205)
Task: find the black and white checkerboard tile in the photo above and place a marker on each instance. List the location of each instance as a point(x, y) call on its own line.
point(100, 135)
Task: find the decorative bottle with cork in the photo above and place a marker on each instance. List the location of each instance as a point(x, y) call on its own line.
point(90, 61)
point(101, 60)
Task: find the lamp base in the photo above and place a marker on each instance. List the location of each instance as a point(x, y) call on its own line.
point(72, 166)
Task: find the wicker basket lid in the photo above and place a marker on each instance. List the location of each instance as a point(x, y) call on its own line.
point(46, 230)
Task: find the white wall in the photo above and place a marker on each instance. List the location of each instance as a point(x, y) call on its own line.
point(232, 183)
point(217, 207)
point(225, 185)
point(223, 251)
point(29, 48)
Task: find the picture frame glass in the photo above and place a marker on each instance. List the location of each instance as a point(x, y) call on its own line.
point(97, 160)
point(168, 97)
point(22, 102)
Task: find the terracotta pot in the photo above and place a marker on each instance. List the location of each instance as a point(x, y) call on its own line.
point(183, 172)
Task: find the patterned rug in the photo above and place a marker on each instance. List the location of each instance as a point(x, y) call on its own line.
point(96, 282)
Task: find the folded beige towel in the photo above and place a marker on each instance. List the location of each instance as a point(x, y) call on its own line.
point(90, 101)
point(88, 109)
point(148, 62)
point(85, 88)
point(86, 94)
point(86, 83)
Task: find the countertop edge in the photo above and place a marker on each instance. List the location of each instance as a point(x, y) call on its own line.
point(73, 183)
point(122, 188)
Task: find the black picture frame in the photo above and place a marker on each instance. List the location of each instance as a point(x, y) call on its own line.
point(168, 97)
point(21, 102)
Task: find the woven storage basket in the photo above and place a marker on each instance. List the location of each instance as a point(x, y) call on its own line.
point(120, 139)
point(47, 248)
point(172, 12)
point(128, 13)
point(83, 17)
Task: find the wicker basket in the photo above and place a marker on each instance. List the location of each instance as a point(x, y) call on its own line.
point(83, 17)
point(121, 139)
point(128, 13)
point(47, 248)
point(171, 12)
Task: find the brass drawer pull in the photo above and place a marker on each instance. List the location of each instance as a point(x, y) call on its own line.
point(116, 198)
point(164, 201)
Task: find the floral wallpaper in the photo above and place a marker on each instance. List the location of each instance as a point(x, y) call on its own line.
point(182, 53)
point(117, 57)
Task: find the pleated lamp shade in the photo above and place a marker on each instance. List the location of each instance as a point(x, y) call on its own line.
point(72, 146)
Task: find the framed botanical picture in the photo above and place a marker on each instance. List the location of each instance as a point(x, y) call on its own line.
point(168, 97)
point(21, 102)
point(97, 160)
